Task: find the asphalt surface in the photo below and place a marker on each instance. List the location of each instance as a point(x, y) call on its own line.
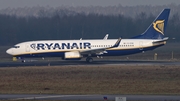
point(89, 97)
point(96, 62)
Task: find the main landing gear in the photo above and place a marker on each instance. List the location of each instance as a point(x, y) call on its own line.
point(89, 59)
point(23, 61)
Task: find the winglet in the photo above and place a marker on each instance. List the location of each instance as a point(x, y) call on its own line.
point(106, 37)
point(117, 43)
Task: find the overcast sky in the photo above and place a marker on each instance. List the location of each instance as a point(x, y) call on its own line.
point(55, 3)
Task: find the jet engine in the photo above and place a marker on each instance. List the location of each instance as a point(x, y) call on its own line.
point(72, 56)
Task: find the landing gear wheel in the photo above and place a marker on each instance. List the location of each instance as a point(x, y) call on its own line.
point(23, 61)
point(89, 59)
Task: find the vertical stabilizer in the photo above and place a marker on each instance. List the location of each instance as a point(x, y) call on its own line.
point(157, 28)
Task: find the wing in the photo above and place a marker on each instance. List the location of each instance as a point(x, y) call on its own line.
point(100, 51)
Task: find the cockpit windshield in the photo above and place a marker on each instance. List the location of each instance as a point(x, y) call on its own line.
point(16, 47)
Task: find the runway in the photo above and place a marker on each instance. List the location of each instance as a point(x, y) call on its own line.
point(88, 97)
point(96, 62)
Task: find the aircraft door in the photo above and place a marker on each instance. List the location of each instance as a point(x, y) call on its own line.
point(27, 48)
point(141, 45)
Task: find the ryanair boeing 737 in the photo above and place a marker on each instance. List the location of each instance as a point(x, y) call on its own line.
point(152, 38)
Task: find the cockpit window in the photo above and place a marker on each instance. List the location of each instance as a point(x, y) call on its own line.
point(16, 47)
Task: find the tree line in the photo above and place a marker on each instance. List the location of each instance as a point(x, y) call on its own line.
point(48, 11)
point(15, 29)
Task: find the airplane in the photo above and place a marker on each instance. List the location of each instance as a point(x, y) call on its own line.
point(152, 38)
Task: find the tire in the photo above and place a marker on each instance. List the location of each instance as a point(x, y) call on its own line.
point(23, 61)
point(89, 59)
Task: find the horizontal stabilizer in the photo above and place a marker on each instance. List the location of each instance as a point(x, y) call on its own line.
point(159, 42)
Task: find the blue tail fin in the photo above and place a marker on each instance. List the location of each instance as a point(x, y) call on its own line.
point(157, 28)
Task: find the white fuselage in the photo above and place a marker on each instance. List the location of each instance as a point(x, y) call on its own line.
point(59, 47)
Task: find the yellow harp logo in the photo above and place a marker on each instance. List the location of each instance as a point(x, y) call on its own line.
point(159, 26)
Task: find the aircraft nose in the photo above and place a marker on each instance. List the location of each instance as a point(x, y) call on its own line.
point(9, 51)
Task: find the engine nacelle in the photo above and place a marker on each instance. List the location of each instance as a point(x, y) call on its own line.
point(72, 56)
